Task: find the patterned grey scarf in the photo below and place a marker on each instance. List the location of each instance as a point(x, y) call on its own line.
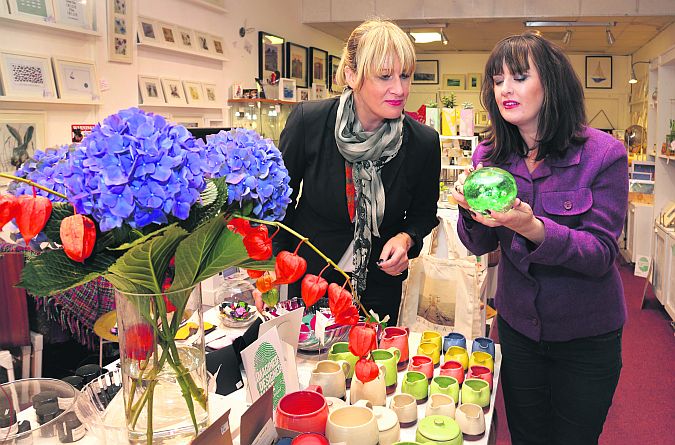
point(368, 151)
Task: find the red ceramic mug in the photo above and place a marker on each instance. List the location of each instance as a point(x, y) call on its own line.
point(480, 372)
point(423, 364)
point(310, 439)
point(454, 369)
point(304, 411)
point(397, 337)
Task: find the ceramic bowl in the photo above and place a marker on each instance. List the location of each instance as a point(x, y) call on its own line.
point(307, 341)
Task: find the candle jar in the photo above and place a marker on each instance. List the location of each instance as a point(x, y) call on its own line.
point(45, 413)
point(71, 429)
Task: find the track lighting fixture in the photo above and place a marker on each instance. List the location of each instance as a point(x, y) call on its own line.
point(567, 38)
point(610, 37)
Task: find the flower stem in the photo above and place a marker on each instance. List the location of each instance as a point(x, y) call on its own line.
point(34, 184)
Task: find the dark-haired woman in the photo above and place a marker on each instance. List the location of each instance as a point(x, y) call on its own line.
point(559, 294)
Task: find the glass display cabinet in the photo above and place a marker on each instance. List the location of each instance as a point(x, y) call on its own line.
point(266, 116)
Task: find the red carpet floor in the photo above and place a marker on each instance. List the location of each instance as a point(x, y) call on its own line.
point(643, 410)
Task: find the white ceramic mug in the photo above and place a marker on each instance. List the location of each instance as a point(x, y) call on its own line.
point(440, 405)
point(405, 407)
point(331, 377)
point(374, 391)
point(470, 419)
point(353, 425)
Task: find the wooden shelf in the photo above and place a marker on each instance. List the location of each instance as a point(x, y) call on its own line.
point(262, 101)
point(209, 5)
point(199, 106)
point(37, 100)
point(56, 27)
point(168, 49)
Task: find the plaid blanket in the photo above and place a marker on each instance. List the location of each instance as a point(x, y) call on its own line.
point(76, 310)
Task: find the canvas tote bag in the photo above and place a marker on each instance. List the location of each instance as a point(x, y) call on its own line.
point(442, 292)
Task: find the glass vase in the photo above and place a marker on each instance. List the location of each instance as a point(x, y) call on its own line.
point(163, 366)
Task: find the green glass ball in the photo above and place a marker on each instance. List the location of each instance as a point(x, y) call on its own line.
point(490, 188)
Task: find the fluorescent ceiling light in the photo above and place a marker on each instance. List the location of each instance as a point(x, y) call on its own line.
point(274, 40)
point(533, 24)
point(426, 37)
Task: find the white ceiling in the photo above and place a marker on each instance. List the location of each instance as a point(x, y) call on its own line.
point(481, 34)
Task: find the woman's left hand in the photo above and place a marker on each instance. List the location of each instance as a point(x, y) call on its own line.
point(394, 257)
point(518, 218)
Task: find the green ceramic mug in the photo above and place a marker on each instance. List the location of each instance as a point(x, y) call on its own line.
point(416, 384)
point(476, 391)
point(444, 384)
point(340, 351)
point(388, 358)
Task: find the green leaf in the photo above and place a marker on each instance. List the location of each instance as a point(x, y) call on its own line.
point(193, 251)
point(228, 251)
point(52, 271)
point(145, 264)
point(271, 297)
point(124, 285)
point(60, 211)
point(258, 265)
point(142, 239)
point(114, 237)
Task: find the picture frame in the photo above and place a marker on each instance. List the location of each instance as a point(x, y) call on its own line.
point(318, 66)
point(203, 42)
point(333, 63)
point(287, 90)
point(270, 56)
point(426, 72)
point(76, 79)
point(151, 90)
point(236, 91)
point(194, 92)
point(26, 75)
point(148, 31)
point(188, 121)
point(474, 81)
point(185, 39)
point(318, 91)
point(21, 133)
point(210, 93)
point(303, 94)
point(167, 34)
point(481, 118)
point(599, 72)
point(218, 46)
point(174, 94)
point(121, 34)
point(296, 64)
point(453, 82)
point(73, 13)
point(36, 10)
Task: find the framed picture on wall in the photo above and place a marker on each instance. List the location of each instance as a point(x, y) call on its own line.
point(38, 10)
point(218, 46)
point(76, 79)
point(426, 72)
point(318, 64)
point(185, 38)
point(26, 75)
point(148, 31)
point(73, 13)
point(188, 121)
point(318, 91)
point(287, 90)
point(333, 63)
point(20, 134)
point(270, 55)
point(303, 94)
point(296, 64)
point(194, 92)
point(453, 81)
point(474, 81)
point(599, 72)
point(173, 91)
point(151, 90)
point(210, 95)
point(167, 34)
point(121, 35)
point(203, 42)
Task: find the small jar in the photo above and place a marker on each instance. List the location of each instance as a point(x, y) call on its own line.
point(45, 413)
point(44, 397)
point(71, 429)
point(75, 380)
point(88, 372)
point(25, 437)
point(8, 424)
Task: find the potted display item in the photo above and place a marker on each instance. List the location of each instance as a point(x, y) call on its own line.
point(448, 116)
point(432, 116)
point(466, 119)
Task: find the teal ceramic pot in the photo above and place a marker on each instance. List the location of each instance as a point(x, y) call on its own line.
point(439, 430)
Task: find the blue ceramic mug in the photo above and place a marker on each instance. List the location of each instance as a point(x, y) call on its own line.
point(484, 344)
point(453, 339)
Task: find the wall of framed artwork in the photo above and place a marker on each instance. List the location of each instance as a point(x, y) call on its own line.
point(21, 133)
point(270, 55)
point(26, 75)
point(599, 72)
point(453, 82)
point(318, 64)
point(76, 79)
point(426, 72)
point(297, 64)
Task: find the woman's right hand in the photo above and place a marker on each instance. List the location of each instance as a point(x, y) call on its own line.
point(458, 188)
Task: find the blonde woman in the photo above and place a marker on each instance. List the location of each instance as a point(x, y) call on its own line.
point(369, 172)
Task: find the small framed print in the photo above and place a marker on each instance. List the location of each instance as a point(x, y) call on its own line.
point(185, 38)
point(188, 121)
point(74, 13)
point(303, 94)
point(217, 46)
point(167, 33)
point(318, 62)
point(599, 72)
point(210, 95)
point(121, 36)
point(203, 42)
point(151, 90)
point(20, 134)
point(333, 64)
point(76, 79)
point(194, 92)
point(426, 72)
point(287, 90)
point(148, 31)
point(237, 91)
point(453, 81)
point(318, 91)
point(173, 91)
point(474, 81)
point(296, 64)
point(39, 10)
point(270, 56)
point(120, 7)
point(26, 75)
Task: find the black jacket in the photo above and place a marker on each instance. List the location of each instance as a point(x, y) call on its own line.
point(411, 184)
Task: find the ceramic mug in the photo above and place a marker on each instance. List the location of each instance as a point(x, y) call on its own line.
point(405, 407)
point(334, 403)
point(480, 372)
point(454, 369)
point(480, 358)
point(353, 425)
point(387, 423)
point(330, 376)
point(340, 351)
point(458, 354)
point(444, 384)
point(439, 430)
point(304, 411)
point(453, 339)
point(440, 405)
point(310, 439)
point(416, 384)
point(484, 344)
point(476, 391)
point(389, 359)
point(397, 337)
point(433, 337)
point(374, 391)
point(471, 419)
point(423, 364)
point(431, 350)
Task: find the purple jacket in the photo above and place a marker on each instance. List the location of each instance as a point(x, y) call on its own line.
point(569, 286)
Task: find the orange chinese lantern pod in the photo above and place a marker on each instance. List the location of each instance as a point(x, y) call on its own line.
point(8, 209)
point(78, 236)
point(32, 215)
point(264, 283)
point(289, 267)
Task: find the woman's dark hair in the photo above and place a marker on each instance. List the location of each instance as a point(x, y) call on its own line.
point(562, 117)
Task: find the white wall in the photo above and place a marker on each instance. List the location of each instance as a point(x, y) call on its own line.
point(262, 15)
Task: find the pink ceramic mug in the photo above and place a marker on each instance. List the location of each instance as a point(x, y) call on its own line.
point(423, 364)
point(304, 411)
point(480, 372)
point(397, 337)
point(454, 369)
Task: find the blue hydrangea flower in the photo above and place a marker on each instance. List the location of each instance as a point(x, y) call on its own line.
point(135, 168)
point(45, 168)
point(254, 171)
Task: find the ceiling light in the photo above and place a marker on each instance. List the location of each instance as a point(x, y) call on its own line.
point(567, 38)
point(610, 37)
point(426, 37)
point(533, 24)
point(633, 77)
point(444, 38)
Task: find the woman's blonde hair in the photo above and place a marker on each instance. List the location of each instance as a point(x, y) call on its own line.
point(371, 48)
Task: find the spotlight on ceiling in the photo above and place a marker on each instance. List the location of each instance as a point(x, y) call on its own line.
point(633, 77)
point(567, 38)
point(444, 38)
point(610, 37)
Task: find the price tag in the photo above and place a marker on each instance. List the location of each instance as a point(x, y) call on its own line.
point(322, 322)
